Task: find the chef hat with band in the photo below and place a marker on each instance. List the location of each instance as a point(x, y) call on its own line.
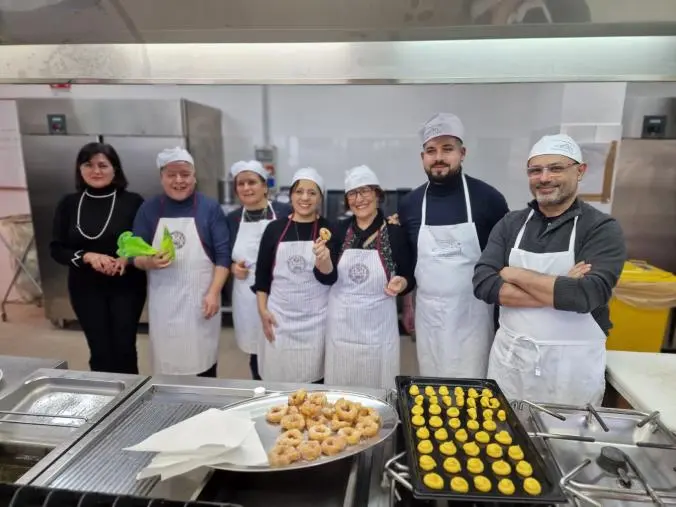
point(442, 124)
point(308, 173)
point(360, 176)
point(170, 155)
point(557, 144)
point(252, 165)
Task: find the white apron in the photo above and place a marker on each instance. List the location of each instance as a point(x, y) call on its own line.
point(547, 355)
point(362, 338)
point(299, 304)
point(454, 330)
point(248, 328)
point(183, 342)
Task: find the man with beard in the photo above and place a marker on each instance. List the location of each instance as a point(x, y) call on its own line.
point(447, 221)
point(552, 267)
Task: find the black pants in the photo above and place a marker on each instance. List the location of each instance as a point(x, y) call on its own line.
point(253, 366)
point(210, 373)
point(109, 314)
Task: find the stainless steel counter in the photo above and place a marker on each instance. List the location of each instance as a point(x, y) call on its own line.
point(16, 368)
point(97, 462)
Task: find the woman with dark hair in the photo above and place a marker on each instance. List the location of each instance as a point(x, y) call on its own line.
point(105, 292)
point(292, 302)
point(246, 225)
point(368, 266)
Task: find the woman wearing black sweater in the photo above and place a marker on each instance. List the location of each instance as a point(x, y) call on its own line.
point(368, 265)
point(106, 294)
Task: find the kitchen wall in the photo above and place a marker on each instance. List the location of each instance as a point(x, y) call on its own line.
point(335, 127)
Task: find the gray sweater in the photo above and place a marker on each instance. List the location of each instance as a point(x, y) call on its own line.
point(599, 242)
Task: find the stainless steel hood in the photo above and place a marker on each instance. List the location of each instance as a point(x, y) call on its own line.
point(214, 21)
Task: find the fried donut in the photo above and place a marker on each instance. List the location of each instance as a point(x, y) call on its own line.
point(333, 445)
point(336, 424)
point(324, 234)
point(351, 435)
point(293, 410)
point(292, 438)
point(293, 422)
point(320, 432)
point(368, 427)
point(328, 411)
point(318, 399)
point(314, 421)
point(283, 455)
point(310, 450)
point(275, 414)
point(369, 412)
point(309, 409)
point(346, 411)
point(297, 397)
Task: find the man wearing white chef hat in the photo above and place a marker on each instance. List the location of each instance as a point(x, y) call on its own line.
point(246, 225)
point(447, 221)
point(184, 295)
point(552, 268)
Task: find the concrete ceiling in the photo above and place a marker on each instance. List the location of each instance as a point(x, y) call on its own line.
point(211, 21)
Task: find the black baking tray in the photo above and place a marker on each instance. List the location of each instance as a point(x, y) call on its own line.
point(547, 476)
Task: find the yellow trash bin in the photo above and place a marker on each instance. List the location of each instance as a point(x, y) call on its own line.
point(640, 306)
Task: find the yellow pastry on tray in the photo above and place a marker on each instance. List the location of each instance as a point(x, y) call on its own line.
point(482, 437)
point(460, 401)
point(454, 423)
point(414, 390)
point(448, 448)
point(486, 393)
point(419, 399)
point(506, 487)
point(436, 422)
point(501, 468)
point(447, 400)
point(482, 484)
point(532, 486)
point(461, 435)
point(490, 426)
point(443, 391)
point(495, 403)
point(422, 433)
point(441, 434)
point(471, 403)
point(485, 402)
point(475, 466)
point(429, 391)
point(434, 399)
point(459, 391)
point(494, 451)
point(502, 416)
point(471, 413)
point(488, 414)
point(459, 485)
point(425, 447)
point(435, 409)
point(453, 412)
point(417, 410)
point(427, 463)
point(472, 393)
point(471, 449)
point(473, 425)
point(515, 452)
point(433, 481)
point(504, 438)
point(452, 465)
point(524, 469)
point(417, 420)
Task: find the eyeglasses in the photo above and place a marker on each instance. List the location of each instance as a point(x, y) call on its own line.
point(361, 192)
point(554, 169)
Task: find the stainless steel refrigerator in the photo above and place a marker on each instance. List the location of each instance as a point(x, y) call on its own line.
point(54, 130)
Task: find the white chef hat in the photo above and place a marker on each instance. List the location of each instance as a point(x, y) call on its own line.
point(308, 173)
point(251, 165)
point(170, 155)
point(360, 176)
point(442, 124)
point(557, 144)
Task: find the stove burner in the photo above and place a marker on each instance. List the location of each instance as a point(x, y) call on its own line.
point(614, 461)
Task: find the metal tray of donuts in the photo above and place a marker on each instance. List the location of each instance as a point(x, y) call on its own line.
point(451, 483)
point(269, 432)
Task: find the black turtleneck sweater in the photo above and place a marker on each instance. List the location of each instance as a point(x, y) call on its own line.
point(446, 206)
point(68, 245)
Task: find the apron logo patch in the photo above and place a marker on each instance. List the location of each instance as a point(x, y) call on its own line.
point(178, 239)
point(296, 263)
point(359, 273)
point(447, 249)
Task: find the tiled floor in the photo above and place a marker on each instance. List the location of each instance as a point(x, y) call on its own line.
point(28, 333)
